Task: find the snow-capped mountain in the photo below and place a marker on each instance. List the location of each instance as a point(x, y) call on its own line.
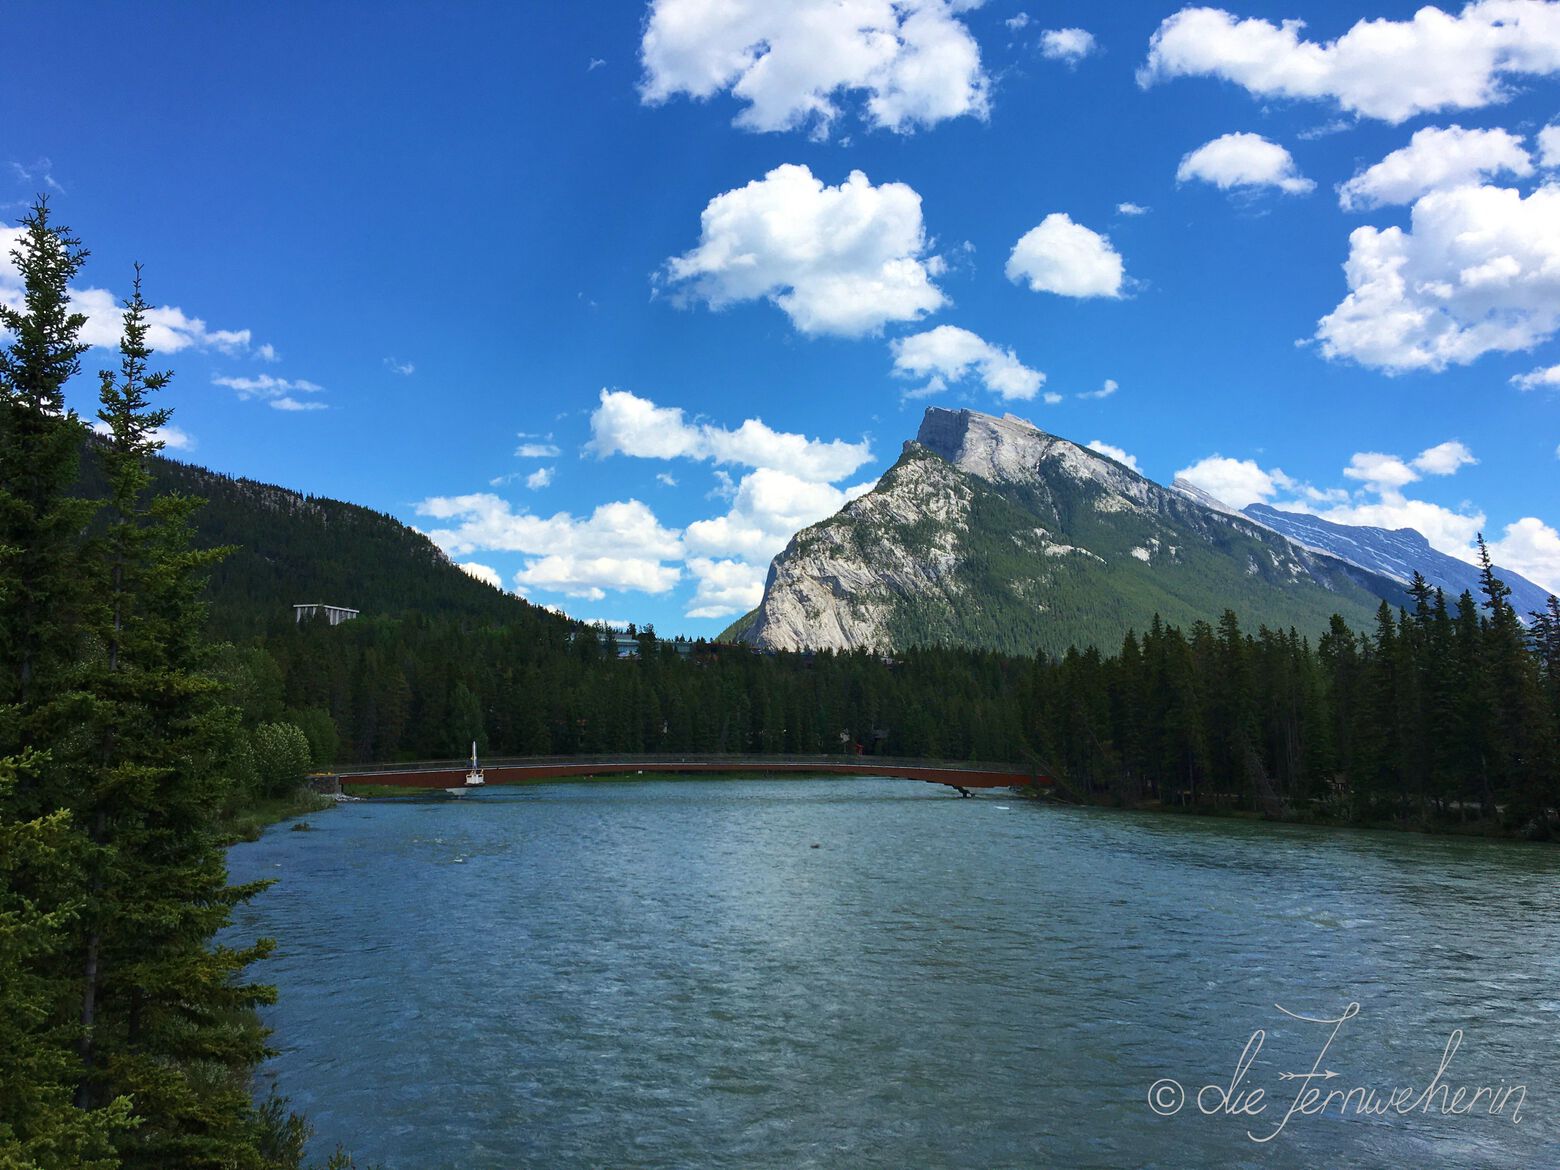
point(1395, 553)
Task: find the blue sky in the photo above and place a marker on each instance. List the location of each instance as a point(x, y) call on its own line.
point(590, 291)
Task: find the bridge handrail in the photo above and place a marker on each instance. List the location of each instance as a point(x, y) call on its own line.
point(745, 759)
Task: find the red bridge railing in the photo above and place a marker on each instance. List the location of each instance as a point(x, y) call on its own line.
point(518, 770)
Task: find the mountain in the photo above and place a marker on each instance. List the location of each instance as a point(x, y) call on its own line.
point(991, 533)
point(288, 548)
point(1394, 553)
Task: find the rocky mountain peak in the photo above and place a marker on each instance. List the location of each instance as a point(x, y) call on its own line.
point(1000, 450)
point(1011, 450)
point(991, 532)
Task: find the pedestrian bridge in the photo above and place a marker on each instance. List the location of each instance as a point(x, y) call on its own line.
point(963, 776)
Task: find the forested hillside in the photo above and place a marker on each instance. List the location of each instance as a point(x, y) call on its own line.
point(288, 548)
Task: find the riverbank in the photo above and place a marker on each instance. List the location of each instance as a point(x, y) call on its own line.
point(1481, 829)
point(248, 822)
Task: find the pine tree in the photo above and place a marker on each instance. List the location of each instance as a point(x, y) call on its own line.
point(39, 521)
point(165, 1016)
point(1545, 637)
point(43, 878)
point(1524, 748)
point(40, 1126)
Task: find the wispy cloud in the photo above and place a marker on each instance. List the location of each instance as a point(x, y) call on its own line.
point(275, 392)
point(40, 171)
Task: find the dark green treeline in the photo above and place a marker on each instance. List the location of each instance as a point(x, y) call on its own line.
point(1443, 713)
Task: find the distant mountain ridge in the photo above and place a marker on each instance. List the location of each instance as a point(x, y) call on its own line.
point(992, 533)
point(289, 548)
point(1395, 553)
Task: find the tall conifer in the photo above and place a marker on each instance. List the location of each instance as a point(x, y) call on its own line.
point(165, 1016)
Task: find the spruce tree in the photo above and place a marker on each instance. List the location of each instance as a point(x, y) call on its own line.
point(1524, 751)
point(41, 1127)
point(165, 1016)
point(42, 864)
point(40, 522)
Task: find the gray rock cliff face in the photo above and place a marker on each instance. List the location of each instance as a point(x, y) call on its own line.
point(834, 586)
point(1012, 451)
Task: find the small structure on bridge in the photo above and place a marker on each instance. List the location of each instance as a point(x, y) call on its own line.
point(335, 614)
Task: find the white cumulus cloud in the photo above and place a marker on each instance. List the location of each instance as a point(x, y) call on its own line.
point(950, 354)
point(1549, 147)
point(1063, 257)
point(1116, 453)
point(591, 577)
point(1379, 472)
point(620, 545)
point(1243, 162)
point(725, 588)
point(1067, 44)
point(1434, 158)
point(1444, 458)
point(625, 424)
point(484, 573)
point(1478, 271)
point(539, 478)
point(1548, 379)
point(730, 554)
point(789, 487)
point(841, 260)
point(1532, 548)
point(1236, 482)
point(913, 62)
point(1386, 69)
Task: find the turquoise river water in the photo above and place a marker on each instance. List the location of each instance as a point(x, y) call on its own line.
point(877, 974)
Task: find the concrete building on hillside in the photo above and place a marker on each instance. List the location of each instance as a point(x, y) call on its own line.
point(335, 614)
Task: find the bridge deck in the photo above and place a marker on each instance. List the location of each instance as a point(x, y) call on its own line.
point(444, 775)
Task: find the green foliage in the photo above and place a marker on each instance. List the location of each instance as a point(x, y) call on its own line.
point(39, 439)
point(320, 730)
point(40, 1126)
point(1404, 726)
point(282, 755)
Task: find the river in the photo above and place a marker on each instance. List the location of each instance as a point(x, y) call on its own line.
point(876, 973)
